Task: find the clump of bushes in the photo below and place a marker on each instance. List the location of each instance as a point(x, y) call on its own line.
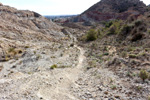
point(126, 28)
point(115, 27)
point(108, 24)
point(143, 75)
point(111, 31)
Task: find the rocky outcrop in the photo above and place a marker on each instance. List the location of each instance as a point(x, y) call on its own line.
point(112, 9)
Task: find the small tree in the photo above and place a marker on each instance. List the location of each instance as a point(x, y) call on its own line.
point(143, 75)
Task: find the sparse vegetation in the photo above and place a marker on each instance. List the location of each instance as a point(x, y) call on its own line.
point(113, 87)
point(92, 64)
point(148, 97)
point(26, 46)
point(114, 28)
point(91, 35)
point(124, 54)
point(132, 56)
point(53, 66)
point(7, 58)
point(139, 88)
point(108, 24)
point(34, 52)
point(111, 31)
point(11, 50)
point(106, 54)
point(53, 56)
point(64, 66)
point(126, 29)
point(29, 73)
point(38, 56)
point(143, 75)
point(130, 48)
point(128, 74)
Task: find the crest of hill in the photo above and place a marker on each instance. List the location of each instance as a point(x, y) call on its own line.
point(28, 22)
point(112, 9)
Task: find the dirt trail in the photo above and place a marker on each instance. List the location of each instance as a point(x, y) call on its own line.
point(64, 79)
point(49, 85)
point(56, 84)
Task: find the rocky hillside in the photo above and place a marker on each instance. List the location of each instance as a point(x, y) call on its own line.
point(122, 47)
point(36, 57)
point(18, 26)
point(112, 9)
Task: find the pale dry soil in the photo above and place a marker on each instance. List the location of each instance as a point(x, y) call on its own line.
point(44, 84)
point(31, 78)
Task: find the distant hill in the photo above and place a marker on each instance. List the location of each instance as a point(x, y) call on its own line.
point(111, 9)
point(58, 16)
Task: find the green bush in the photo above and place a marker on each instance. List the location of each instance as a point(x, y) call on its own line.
point(99, 34)
point(11, 50)
point(115, 27)
point(126, 28)
point(113, 87)
point(53, 66)
point(143, 75)
point(108, 24)
point(106, 54)
point(111, 31)
point(91, 35)
point(132, 56)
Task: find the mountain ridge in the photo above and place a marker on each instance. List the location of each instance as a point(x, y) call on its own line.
point(111, 9)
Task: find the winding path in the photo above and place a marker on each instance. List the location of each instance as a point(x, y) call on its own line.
point(64, 79)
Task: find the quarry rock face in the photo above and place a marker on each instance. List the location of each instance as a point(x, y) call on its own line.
point(112, 9)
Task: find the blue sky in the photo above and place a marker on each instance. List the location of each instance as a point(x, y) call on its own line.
point(54, 7)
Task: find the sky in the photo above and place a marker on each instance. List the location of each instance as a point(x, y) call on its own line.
point(54, 7)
